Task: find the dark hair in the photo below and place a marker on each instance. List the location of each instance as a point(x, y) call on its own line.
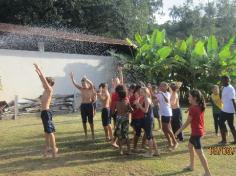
point(103, 85)
point(50, 81)
point(173, 86)
point(199, 98)
point(137, 88)
point(119, 88)
point(83, 80)
point(132, 86)
point(122, 94)
point(226, 78)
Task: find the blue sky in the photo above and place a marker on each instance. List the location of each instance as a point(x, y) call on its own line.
point(167, 4)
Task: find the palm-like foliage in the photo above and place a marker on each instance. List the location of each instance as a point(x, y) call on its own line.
point(197, 63)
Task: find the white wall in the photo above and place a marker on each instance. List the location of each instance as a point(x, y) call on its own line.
point(19, 78)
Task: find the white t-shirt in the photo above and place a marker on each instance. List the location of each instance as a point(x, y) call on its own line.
point(228, 94)
point(165, 108)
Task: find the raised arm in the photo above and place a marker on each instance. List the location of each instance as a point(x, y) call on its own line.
point(94, 95)
point(112, 83)
point(121, 77)
point(42, 78)
point(73, 81)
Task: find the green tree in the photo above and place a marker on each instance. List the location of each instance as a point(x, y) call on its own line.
point(115, 18)
point(215, 17)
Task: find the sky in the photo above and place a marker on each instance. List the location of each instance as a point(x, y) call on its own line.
point(167, 4)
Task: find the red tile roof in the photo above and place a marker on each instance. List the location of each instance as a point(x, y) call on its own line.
point(47, 32)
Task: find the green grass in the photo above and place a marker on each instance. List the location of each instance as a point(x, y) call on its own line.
point(21, 143)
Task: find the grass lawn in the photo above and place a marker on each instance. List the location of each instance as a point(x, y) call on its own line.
point(22, 140)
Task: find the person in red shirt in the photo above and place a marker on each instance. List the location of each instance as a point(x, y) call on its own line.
point(137, 117)
point(196, 120)
point(131, 90)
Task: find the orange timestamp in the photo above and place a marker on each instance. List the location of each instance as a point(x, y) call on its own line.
point(222, 150)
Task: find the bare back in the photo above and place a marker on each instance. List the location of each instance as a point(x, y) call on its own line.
point(46, 100)
point(123, 108)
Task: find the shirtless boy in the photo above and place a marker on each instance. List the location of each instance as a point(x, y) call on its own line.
point(87, 99)
point(105, 98)
point(46, 114)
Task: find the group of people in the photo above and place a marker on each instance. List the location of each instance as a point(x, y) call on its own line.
point(142, 104)
point(223, 108)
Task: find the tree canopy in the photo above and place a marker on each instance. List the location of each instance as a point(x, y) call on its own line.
point(115, 18)
point(215, 17)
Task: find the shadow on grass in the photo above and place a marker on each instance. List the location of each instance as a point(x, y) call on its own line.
point(32, 162)
point(72, 154)
point(74, 151)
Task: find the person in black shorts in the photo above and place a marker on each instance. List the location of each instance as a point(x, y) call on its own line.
point(163, 98)
point(87, 112)
point(87, 108)
point(196, 121)
point(196, 142)
point(176, 121)
point(148, 122)
point(228, 97)
point(137, 118)
point(105, 98)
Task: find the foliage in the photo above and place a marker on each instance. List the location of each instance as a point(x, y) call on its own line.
point(197, 63)
point(218, 17)
point(103, 17)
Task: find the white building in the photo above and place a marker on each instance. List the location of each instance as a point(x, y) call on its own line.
point(58, 53)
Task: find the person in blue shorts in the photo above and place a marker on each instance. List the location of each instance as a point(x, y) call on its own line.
point(46, 114)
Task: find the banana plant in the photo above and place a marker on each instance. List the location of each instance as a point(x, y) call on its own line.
point(195, 62)
point(152, 53)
